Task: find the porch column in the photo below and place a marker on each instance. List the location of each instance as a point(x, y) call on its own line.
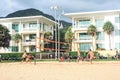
point(38, 41)
point(20, 41)
point(94, 38)
point(42, 42)
point(38, 24)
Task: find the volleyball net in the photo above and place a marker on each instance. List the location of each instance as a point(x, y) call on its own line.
point(53, 42)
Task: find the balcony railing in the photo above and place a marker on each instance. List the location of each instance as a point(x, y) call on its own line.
point(28, 28)
point(85, 38)
point(79, 27)
point(29, 42)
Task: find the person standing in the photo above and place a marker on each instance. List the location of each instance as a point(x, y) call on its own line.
point(78, 55)
point(116, 54)
point(24, 56)
point(91, 55)
point(0, 57)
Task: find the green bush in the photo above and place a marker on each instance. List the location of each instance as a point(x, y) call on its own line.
point(83, 54)
point(96, 54)
point(14, 56)
point(73, 53)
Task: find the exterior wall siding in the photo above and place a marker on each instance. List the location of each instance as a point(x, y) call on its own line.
point(93, 17)
point(25, 29)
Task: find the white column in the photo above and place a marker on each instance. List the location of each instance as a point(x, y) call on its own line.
point(20, 41)
point(93, 20)
point(38, 24)
point(42, 42)
point(38, 41)
point(94, 38)
point(73, 23)
point(107, 42)
point(41, 26)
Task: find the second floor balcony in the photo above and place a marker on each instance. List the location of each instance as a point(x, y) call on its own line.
point(27, 28)
point(84, 39)
point(28, 42)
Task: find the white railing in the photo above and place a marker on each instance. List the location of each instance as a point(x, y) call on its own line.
point(85, 38)
point(29, 42)
point(79, 27)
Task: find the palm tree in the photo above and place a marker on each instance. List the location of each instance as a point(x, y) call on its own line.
point(108, 28)
point(69, 36)
point(17, 37)
point(4, 36)
point(92, 31)
point(47, 35)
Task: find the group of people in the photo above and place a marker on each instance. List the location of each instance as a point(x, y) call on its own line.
point(89, 53)
point(79, 57)
point(26, 57)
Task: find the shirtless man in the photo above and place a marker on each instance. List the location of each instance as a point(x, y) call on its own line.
point(78, 55)
point(28, 58)
point(91, 55)
point(24, 56)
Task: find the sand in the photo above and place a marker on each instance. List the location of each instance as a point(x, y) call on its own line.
point(60, 71)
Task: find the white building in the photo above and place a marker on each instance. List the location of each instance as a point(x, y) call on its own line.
point(81, 21)
point(31, 28)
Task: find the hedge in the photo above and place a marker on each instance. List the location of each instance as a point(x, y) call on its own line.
point(83, 54)
point(14, 56)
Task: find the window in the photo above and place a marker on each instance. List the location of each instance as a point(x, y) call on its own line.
point(43, 27)
point(84, 23)
point(23, 25)
point(14, 48)
point(99, 22)
point(84, 36)
point(85, 46)
point(116, 19)
point(101, 46)
point(32, 48)
point(117, 32)
point(100, 36)
point(33, 25)
point(15, 27)
point(32, 36)
point(117, 45)
point(40, 26)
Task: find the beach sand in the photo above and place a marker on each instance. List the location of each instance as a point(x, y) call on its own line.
point(60, 71)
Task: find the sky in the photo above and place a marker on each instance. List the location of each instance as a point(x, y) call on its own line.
point(69, 6)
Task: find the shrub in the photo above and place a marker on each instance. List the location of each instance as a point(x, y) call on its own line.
point(14, 56)
point(83, 54)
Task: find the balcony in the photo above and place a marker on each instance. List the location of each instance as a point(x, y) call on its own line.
point(79, 27)
point(31, 28)
point(84, 39)
point(28, 42)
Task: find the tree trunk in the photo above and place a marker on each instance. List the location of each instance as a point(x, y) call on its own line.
point(109, 42)
point(17, 47)
point(94, 42)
